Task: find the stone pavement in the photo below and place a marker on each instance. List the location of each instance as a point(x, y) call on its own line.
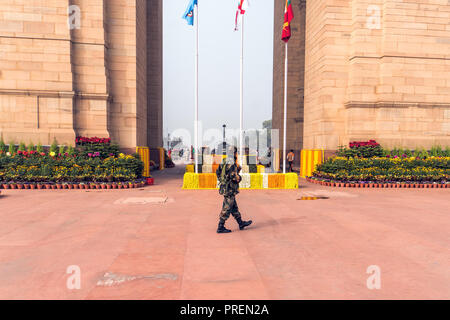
point(160, 243)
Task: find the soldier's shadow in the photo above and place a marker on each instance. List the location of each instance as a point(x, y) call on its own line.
point(274, 223)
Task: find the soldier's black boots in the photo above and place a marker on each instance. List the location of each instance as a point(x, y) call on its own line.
point(243, 224)
point(222, 229)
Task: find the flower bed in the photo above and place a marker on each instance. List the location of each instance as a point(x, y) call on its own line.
point(94, 163)
point(35, 167)
point(367, 164)
point(384, 170)
point(73, 186)
point(371, 184)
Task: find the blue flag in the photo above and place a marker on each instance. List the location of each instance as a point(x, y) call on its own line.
point(189, 14)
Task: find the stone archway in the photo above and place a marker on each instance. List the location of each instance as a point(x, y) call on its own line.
point(76, 67)
point(365, 70)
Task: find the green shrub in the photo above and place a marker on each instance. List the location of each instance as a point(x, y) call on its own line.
point(361, 149)
point(3, 147)
point(421, 153)
point(31, 147)
point(54, 146)
point(12, 148)
point(70, 150)
point(39, 148)
point(22, 147)
point(105, 150)
point(61, 149)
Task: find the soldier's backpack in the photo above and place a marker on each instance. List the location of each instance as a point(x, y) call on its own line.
point(223, 179)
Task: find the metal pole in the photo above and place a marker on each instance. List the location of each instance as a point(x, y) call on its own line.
point(285, 106)
point(241, 146)
point(224, 144)
point(196, 20)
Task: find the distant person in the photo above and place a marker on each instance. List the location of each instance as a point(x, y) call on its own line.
point(229, 179)
point(290, 158)
point(269, 156)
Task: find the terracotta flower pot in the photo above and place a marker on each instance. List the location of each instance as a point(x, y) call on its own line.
point(32, 186)
point(5, 186)
point(75, 186)
point(39, 186)
point(108, 186)
point(103, 186)
point(59, 186)
point(20, 186)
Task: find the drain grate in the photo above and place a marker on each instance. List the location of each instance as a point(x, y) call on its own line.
point(313, 198)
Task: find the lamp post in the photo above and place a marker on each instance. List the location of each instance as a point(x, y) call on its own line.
point(224, 144)
point(168, 141)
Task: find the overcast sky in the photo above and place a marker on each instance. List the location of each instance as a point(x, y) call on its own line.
point(219, 65)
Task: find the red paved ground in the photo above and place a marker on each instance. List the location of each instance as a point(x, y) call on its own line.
point(295, 250)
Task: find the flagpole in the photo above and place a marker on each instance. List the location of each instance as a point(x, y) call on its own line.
point(196, 90)
point(241, 126)
point(285, 105)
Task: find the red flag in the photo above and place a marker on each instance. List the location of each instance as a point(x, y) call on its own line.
point(242, 7)
point(288, 16)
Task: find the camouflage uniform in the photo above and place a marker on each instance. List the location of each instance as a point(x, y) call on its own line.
point(229, 188)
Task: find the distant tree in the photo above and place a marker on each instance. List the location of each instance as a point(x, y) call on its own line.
point(267, 125)
point(175, 141)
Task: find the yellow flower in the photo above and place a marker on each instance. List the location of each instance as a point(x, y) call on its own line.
point(52, 154)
